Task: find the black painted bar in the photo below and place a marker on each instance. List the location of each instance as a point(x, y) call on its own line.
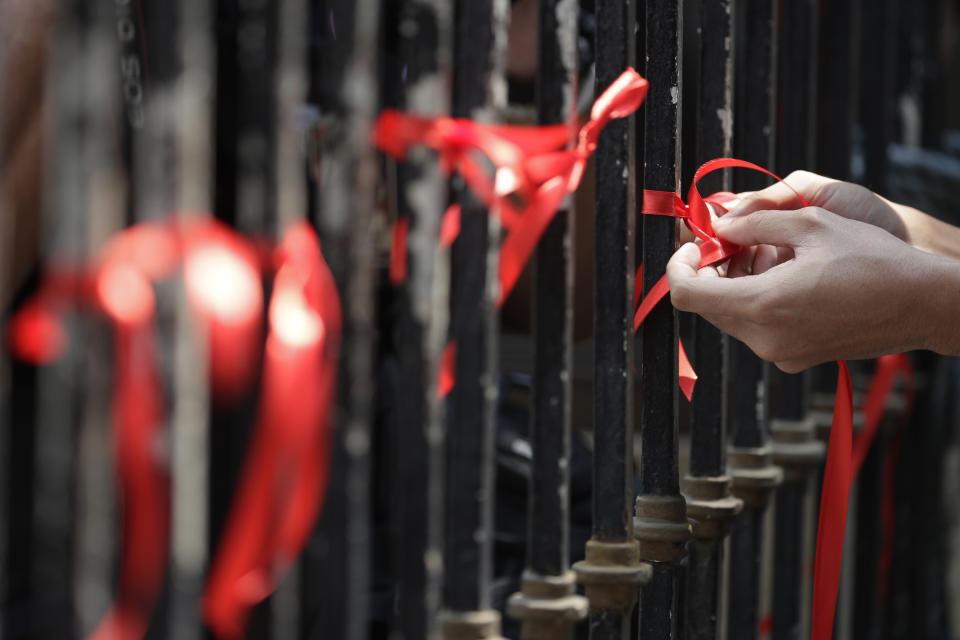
point(660, 523)
point(335, 573)
point(707, 487)
point(837, 88)
point(69, 183)
point(424, 54)
point(613, 296)
point(794, 448)
point(796, 137)
point(749, 455)
point(154, 187)
point(612, 548)
point(244, 148)
point(548, 584)
point(877, 106)
point(478, 93)
point(548, 517)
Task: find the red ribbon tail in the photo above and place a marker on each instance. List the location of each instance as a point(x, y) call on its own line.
point(833, 509)
point(687, 376)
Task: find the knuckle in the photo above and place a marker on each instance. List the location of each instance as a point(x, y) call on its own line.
point(813, 218)
point(680, 294)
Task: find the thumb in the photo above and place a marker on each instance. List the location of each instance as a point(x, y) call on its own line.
point(778, 228)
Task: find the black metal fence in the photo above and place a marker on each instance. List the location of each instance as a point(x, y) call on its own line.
point(516, 465)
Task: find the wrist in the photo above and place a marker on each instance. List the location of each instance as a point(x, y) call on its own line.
point(929, 234)
point(935, 304)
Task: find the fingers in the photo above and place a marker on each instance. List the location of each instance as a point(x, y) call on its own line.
point(778, 228)
point(767, 257)
point(741, 264)
point(783, 195)
point(701, 290)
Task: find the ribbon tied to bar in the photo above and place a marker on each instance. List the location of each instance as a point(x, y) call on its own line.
point(838, 470)
point(283, 483)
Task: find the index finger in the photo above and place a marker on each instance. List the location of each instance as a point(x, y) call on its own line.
point(704, 293)
point(784, 195)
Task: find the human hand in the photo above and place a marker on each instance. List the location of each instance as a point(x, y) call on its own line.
point(838, 288)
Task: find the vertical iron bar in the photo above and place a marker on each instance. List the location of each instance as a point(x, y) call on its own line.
point(423, 65)
point(794, 446)
point(660, 523)
point(118, 37)
point(479, 93)
point(707, 486)
point(156, 157)
point(288, 175)
point(749, 455)
point(335, 578)
point(878, 94)
point(612, 549)
point(547, 604)
point(548, 535)
point(243, 198)
point(190, 410)
point(837, 88)
point(79, 91)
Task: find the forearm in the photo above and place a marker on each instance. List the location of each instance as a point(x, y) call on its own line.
point(937, 304)
point(928, 233)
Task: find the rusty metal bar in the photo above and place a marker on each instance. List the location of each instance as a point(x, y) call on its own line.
point(335, 568)
point(660, 522)
point(611, 572)
point(479, 93)
point(749, 455)
point(418, 76)
point(707, 487)
point(547, 605)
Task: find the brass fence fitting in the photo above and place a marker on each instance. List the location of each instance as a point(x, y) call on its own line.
point(795, 448)
point(661, 527)
point(612, 574)
point(470, 625)
point(547, 606)
point(754, 474)
point(711, 505)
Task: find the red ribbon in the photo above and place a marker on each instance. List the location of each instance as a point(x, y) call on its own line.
point(284, 479)
point(535, 168)
point(875, 403)
point(282, 492)
point(126, 297)
point(876, 400)
point(837, 474)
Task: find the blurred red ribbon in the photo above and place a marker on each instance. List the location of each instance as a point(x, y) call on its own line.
point(875, 403)
point(535, 168)
point(838, 471)
point(284, 483)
